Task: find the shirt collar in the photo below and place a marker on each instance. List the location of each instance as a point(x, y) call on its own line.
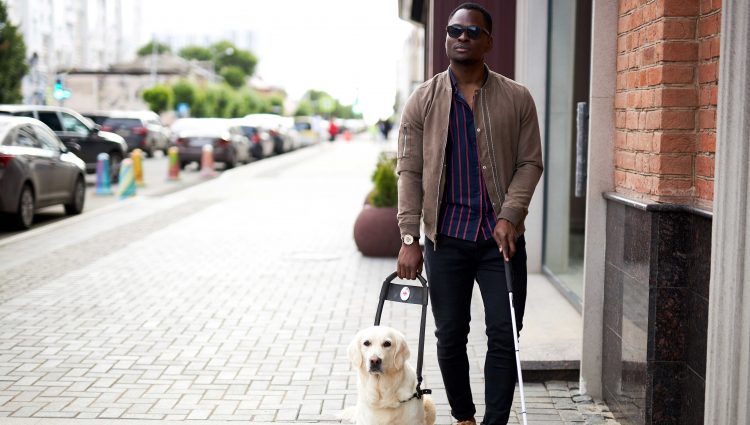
point(454, 82)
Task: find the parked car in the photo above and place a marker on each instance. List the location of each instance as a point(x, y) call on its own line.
point(261, 143)
point(37, 170)
point(308, 129)
point(281, 129)
point(140, 129)
point(230, 145)
point(78, 134)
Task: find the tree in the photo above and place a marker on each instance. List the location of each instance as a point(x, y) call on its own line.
point(276, 104)
point(234, 76)
point(196, 52)
point(184, 92)
point(159, 98)
point(148, 48)
point(304, 108)
point(12, 59)
point(225, 54)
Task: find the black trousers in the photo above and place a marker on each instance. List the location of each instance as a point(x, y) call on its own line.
point(452, 270)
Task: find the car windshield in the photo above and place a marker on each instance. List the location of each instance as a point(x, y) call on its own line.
point(121, 122)
point(249, 131)
point(302, 126)
point(97, 119)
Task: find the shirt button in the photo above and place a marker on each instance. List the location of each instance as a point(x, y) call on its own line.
point(479, 130)
point(484, 167)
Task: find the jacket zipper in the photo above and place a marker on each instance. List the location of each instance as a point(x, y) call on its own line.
point(406, 140)
point(488, 125)
point(440, 185)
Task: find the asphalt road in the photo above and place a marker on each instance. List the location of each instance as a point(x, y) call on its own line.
point(155, 171)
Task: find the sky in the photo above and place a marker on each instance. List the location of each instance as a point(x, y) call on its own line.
point(348, 48)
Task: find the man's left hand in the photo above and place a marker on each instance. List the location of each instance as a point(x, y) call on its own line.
point(505, 236)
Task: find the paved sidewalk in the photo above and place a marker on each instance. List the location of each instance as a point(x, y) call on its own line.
point(230, 301)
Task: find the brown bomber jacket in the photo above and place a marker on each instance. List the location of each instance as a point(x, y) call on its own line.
point(509, 147)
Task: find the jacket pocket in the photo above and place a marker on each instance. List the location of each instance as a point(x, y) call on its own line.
point(403, 142)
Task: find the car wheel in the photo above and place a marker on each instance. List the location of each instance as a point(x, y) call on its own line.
point(278, 147)
point(115, 159)
point(77, 199)
point(231, 161)
point(24, 216)
point(150, 152)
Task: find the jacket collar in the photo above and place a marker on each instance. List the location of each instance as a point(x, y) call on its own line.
point(447, 81)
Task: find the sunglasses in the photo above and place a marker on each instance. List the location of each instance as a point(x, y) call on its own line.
point(473, 31)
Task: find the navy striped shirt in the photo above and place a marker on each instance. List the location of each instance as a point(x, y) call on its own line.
point(466, 210)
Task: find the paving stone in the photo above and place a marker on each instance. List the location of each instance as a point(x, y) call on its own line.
point(230, 301)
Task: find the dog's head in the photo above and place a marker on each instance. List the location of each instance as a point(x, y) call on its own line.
point(378, 350)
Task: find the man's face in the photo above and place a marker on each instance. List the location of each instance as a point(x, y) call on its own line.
point(463, 49)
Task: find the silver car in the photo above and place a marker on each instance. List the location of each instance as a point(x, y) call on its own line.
point(230, 145)
point(37, 170)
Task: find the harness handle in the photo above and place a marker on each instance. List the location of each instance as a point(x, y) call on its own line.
point(411, 295)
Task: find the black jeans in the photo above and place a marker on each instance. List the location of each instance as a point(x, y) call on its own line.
point(451, 270)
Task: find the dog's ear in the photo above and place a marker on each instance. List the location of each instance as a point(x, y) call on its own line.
point(402, 351)
point(355, 355)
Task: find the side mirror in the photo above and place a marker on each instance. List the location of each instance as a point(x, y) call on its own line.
point(72, 147)
point(96, 129)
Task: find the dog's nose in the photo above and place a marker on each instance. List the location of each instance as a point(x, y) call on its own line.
point(375, 361)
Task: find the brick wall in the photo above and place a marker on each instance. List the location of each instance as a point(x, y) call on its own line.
point(665, 105)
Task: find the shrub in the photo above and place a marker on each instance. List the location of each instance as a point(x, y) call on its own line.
point(385, 192)
point(159, 98)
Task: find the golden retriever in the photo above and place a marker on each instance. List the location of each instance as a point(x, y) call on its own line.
point(386, 383)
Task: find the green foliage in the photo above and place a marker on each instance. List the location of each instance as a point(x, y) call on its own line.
point(276, 104)
point(148, 48)
point(234, 76)
point(304, 108)
point(196, 52)
point(385, 192)
point(159, 98)
point(318, 102)
point(214, 100)
point(226, 54)
point(184, 92)
point(12, 59)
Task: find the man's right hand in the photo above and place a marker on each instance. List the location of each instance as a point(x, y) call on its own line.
point(409, 261)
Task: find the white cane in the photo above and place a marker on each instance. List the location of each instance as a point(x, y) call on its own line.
point(509, 284)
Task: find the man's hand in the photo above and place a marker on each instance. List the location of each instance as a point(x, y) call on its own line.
point(410, 261)
point(505, 236)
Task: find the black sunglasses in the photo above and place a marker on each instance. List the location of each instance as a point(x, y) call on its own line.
point(473, 31)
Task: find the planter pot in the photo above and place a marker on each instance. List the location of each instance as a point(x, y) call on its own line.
point(376, 232)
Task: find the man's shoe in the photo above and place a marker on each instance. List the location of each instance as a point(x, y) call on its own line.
point(471, 421)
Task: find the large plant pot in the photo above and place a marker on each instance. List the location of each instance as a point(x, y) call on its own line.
point(376, 232)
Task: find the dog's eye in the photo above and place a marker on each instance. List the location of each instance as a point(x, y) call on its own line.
point(387, 344)
point(366, 343)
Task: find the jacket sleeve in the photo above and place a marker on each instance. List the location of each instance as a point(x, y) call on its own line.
point(528, 167)
point(409, 168)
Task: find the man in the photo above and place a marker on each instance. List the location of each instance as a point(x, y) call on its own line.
point(469, 158)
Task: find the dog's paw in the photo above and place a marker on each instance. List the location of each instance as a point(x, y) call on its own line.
point(348, 415)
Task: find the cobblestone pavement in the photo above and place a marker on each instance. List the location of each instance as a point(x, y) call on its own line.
point(230, 301)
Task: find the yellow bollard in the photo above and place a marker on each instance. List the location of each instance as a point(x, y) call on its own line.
point(137, 157)
point(174, 163)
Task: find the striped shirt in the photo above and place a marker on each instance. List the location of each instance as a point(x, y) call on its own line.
point(466, 210)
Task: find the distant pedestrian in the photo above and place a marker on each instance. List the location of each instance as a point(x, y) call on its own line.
point(333, 130)
point(469, 159)
point(385, 127)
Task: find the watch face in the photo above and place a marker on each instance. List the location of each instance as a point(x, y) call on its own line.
point(408, 239)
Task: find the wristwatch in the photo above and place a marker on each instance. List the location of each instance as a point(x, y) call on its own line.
point(407, 239)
